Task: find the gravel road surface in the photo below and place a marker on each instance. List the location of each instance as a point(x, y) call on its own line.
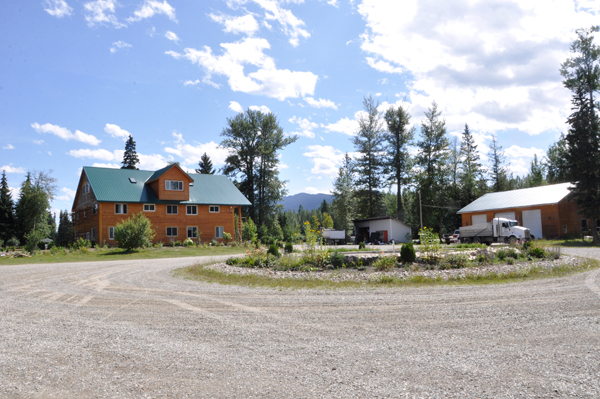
point(129, 329)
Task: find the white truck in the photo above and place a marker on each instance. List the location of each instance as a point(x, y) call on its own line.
point(331, 236)
point(497, 230)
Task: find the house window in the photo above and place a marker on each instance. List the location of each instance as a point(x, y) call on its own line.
point(95, 209)
point(171, 209)
point(192, 209)
point(173, 185)
point(93, 234)
point(120, 208)
point(85, 189)
point(171, 231)
point(192, 232)
point(584, 225)
point(111, 233)
point(149, 208)
point(219, 232)
point(214, 209)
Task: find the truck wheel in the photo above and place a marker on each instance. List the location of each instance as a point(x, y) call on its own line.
point(512, 240)
point(466, 240)
point(477, 240)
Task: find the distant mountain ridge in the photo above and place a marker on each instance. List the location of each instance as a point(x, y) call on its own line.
point(308, 201)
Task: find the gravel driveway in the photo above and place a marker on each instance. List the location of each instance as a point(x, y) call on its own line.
point(129, 329)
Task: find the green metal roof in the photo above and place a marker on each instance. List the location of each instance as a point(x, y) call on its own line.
point(535, 196)
point(114, 185)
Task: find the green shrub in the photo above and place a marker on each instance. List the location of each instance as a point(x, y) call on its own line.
point(407, 253)
point(81, 243)
point(484, 256)
point(553, 253)
point(134, 232)
point(273, 250)
point(214, 243)
point(233, 261)
point(188, 242)
point(536, 252)
point(289, 248)
point(172, 244)
point(13, 243)
point(337, 260)
point(32, 239)
point(226, 237)
point(361, 245)
point(510, 261)
point(456, 261)
point(384, 263)
point(158, 244)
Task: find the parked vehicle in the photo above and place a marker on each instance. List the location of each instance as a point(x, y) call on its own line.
point(332, 236)
point(452, 238)
point(496, 230)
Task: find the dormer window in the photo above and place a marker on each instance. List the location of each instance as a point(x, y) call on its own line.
point(173, 185)
point(85, 189)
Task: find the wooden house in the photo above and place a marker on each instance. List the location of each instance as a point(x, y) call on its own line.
point(548, 211)
point(179, 205)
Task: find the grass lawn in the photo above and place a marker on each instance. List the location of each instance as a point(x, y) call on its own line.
point(99, 254)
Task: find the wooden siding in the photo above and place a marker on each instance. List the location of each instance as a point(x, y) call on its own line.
point(172, 174)
point(554, 218)
point(204, 221)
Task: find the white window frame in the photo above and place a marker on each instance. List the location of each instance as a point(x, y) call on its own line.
point(193, 228)
point(188, 207)
point(121, 209)
point(217, 235)
point(172, 235)
point(149, 206)
point(169, 185)
point(172, 207)
point(95, 209)
point(111, 233)
point(214, 209)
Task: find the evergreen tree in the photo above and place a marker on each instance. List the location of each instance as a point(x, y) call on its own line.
point(32, 208)
point(130, 157)
point(369, 164)
point(433, 179)
point(471, 173)
point(65, 234)
point(582, 76)
point(535, 178)
point(498, 174)
point(205, 166)
point(398, 162)
point(7, 211)
point(555, 163)
point(343, 197)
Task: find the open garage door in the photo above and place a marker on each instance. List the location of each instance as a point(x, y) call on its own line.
point(507, 215)
point(477, 219)
point(533, 221)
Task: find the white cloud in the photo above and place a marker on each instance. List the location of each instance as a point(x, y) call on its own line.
point(106, 165)
point(320, 103)
point(68, 196)
point(192, 153)
point(152, 161)
point(101, 154)
point(172, 36)
point(306, 127)
point(8, 147)
point(491, 64)
point(266, 80)
point(116, 131)
point(518, 159)
point(116, 46)
point(263, 108)
point(66, 134)
point(235, 106)
point(325, 158)
point(345, 125)
point(151, 8)
point(101, 12)
point(57, 8)
point(12, 169)
point(246, 24)
point(178, 137)
point(191, 82)
point(38, 142)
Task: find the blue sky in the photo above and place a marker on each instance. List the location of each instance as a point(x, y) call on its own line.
point(76, 77)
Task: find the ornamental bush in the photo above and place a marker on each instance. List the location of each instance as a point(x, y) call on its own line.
point(407, 253)
point(289, 248)
point(273, 250)
point(135, 232)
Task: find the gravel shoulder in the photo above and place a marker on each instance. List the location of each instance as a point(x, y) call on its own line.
point(129, 329)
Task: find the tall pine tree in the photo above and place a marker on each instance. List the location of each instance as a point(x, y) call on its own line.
point(498, 175)
point(470, 173)
point(130, 157)
point(369, 163)
point(7, 211)
point(556, 163)
point(398, 161)
point(582, 76)
point(343, 204)
point(205, 166)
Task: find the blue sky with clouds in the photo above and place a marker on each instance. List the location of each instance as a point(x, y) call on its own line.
point(77, 76)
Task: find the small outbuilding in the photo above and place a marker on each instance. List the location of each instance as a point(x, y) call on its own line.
point(381, 228)
point(547, 211)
